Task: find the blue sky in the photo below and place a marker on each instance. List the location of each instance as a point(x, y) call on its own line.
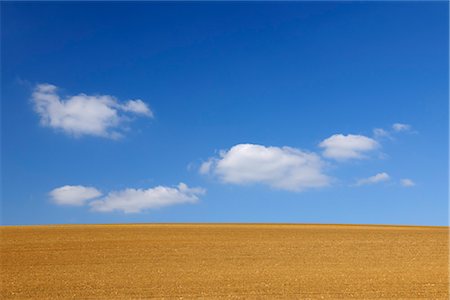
point(328, 112)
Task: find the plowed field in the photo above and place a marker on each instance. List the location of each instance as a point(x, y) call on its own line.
point(259, 261)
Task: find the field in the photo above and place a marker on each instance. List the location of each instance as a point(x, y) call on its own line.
point(224, 261)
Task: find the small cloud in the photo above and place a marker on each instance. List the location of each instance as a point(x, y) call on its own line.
point(344, 147)
point(75, 195)
point(381, 133)
point(206, 166)
point(138, 200)
point(138, 107)
point(128, 200)
point(398, 127)
point(95, 115)
point(380, 177)
point(407, 182)
point(283, 168)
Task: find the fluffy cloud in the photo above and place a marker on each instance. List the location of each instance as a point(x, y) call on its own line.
point(283, 168)
point(401, 127)
point(343, 147)
point(407, 182)
point(95, 115)
point(75, 195)
point(127, 200)
point(380, 177)
point(137, 200)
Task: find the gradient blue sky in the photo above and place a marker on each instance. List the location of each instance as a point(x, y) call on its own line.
point(217, 75)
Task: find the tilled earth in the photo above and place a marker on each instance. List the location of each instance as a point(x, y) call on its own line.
point(256, 261)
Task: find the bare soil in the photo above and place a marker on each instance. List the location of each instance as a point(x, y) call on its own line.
point(256, 261)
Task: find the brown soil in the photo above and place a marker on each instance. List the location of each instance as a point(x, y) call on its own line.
point(224, 261)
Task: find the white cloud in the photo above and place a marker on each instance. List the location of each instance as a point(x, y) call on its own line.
point(206, 166)
point(283, 168)
point(138, 200)
point(96, 115)
point(380, 177)
point(342, 147)
point(381, 133)
point(75, 195)
point(127, 200)
point(401, 127)
point(407, 182)
point(138, 107)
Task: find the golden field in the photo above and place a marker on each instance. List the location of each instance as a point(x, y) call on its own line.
point(255, 261)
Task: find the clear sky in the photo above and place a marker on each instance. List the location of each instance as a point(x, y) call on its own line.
point(328, 112)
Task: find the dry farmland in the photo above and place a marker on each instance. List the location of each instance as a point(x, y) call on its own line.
point(224, 261)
